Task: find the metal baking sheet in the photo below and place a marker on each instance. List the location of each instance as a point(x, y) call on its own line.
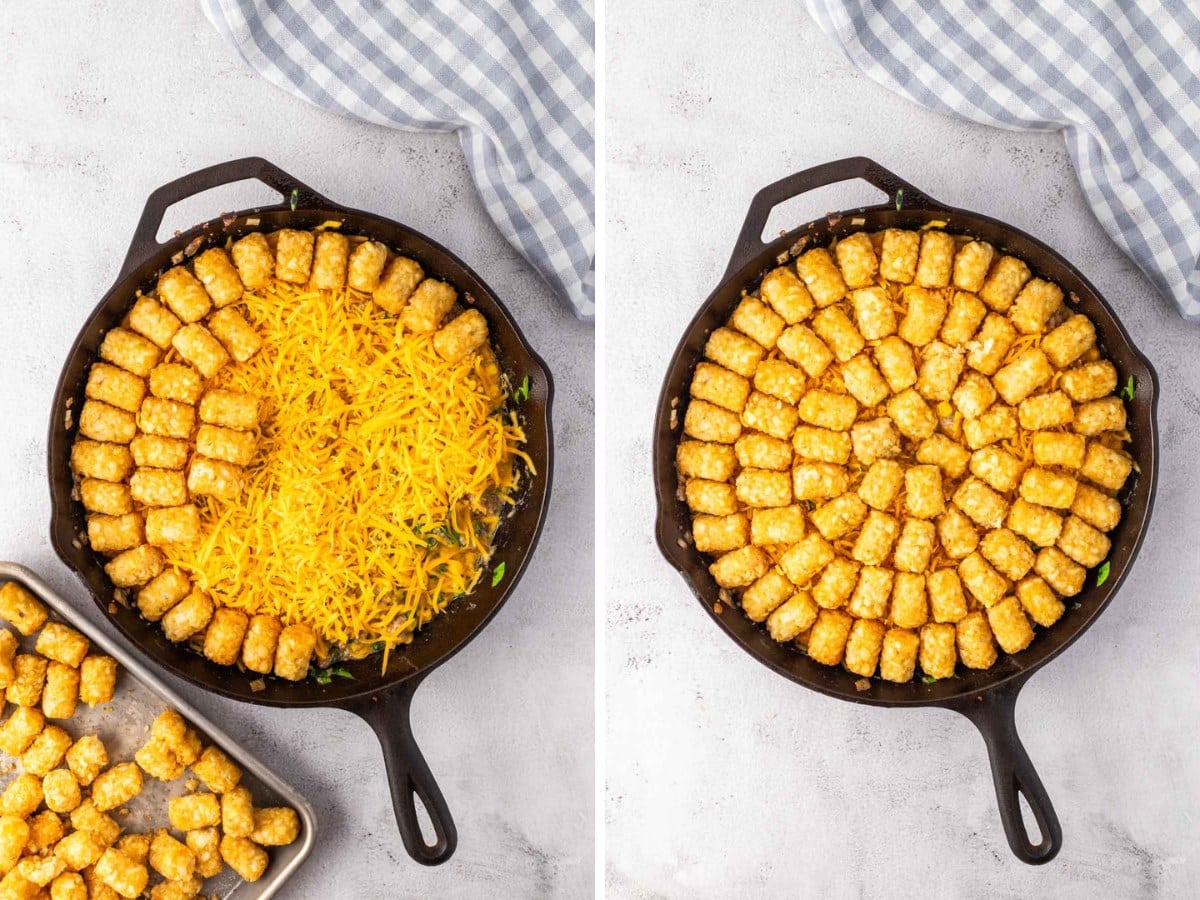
point(124, 724)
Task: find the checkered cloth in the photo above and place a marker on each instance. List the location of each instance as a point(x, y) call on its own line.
point(1121, 78)
point(513, 77)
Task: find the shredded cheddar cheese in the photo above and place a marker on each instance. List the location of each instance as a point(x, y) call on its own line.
point(379, 480)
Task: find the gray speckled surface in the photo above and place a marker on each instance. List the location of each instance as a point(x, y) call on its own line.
point(723, 779)
point(100, 103)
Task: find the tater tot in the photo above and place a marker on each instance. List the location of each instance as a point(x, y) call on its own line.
point(82, 848)
point(897, 364)
point(936, 259)
point(872, 593)
point(1009, 625)
point(205, 844)
point(112, 534)
point(700, 459)
point(784, 525)
point(1090, 381)
point(21, 609)
point(122, 874)
point(720, 534)
point(707, 422)
point(863, 647)
point(971, 265)
point(794, 616)
point(166, 418)
point(29, 677)
point(1096, 508)
point(1004, 282)
point(187, 617)
point(923, 492)
point(229, 409)
point(863, 381)
point(874, 439)
point(801, 345)
point(22, 796)
point(237, 812)
point(46, 751)
point(999, 468)
point(1043, 411)
point(898, 660)
point(428, 305)
point(198, 346)
point(61, 790)
point(999, 423)
point(158, 452)
point(963, 318)
point(68, 886)
point(873, 313)
point(714, 498)
point(821, 276)
point(199, 811)
point(1051, 448)
point(171, 858)
point(778, 379)
point(38, 871)
point(1039, 601)
point(898, 255)
point(923, 319)
point(986, 351)
point(86, 758)
point(399, 281)
point(1021, 377)
point(461, 336)
point(135, 567)
point(836, 584)
point(881, 484)
point(218, 772)
point(821, 444)
point(913, 416)
point(117, 786)
point(1037, 523)
point(294, 651)
point(1034, 305)
point(914, 548)
point(976, 648)
point(184, 295)
point(857, 260)
point(236, 335)
point(105, 497)
point(45, 830)
point(176, 381)
point(1046, 487)
point(761, 451)
point(129, 351)
point(1098, 416)
point(20, 729)
point(219, 276)
point(1010, 555)
point(107, 462)
point(985, 583)
point(834, 327)
point(244, 856)
point(173, 525)
point(937, 655)
point(162, 593)
point(135, 846)
point(1105, 467)
point(766, 594)
point(806, 558)
point(158, 487)
point(223, 639)
point(875, 540)
point(769, 415)
point(254, 260)
point(214, 478)
point(275, 826)
point(941, 367)
point(1083, 543)
point(366, 266)
point(817, 481)
point(948, 455)
point(763, 488)
point(757, 321)
point(293, 255)
point(14, 833)
point(114, 387)
point(102, 422)
point(740, 567)
point(8, 650)
point(826, 409)
point(86, 818)
point(947, 602)
point(827, 640)
point(785, 293)
point(737, 352)
point(719, 386)
point(1069, 341)
point(910, 606)
point(329, 261)
point(61, 692)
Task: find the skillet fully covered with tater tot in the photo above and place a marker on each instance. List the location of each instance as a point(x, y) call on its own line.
point(380, 695)
point(984, 689)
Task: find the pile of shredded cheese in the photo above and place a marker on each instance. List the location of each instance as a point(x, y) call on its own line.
point(380, 476)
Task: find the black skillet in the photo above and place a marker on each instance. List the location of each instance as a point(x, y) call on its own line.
point(988, 698)
point(382, 698)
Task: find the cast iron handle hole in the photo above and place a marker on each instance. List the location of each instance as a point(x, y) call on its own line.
point(1033, 831)
point(815, 204)
point(245, 194)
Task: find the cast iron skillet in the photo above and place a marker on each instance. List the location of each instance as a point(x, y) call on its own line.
point(382, 698)
point(987, 698)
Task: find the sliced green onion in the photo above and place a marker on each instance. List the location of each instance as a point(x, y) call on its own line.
point(498, 574)
point(1102, 572)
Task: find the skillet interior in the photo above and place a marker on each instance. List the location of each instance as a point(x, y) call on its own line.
point(674, 519)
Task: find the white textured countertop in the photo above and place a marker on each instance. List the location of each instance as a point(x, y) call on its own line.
point(102, 102)
point(726, 780)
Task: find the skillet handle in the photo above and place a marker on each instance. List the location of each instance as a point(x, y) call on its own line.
point(409, 777)
point(1014, 775)
point(750, 243)
point(145, 236)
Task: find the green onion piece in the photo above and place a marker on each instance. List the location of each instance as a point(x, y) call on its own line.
point(377, 646)
point(521, 394)
point(1102, 573)
point(899, 199)
point(342, 673)
point(1128, 389)
point(322, 676)
point(498, 574)
point(928, 679)
point(295, 201)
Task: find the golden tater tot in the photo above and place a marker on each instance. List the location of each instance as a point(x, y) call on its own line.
point(157, 452)
point(214, 478)
point(229, 409)
point(8, 650)
point(910, 606)
point(875, 540)
point(757, 321)
point(873, 313)
point(874, 439)
point(102, 422)
point(461, 336)
point(778, 379)
point(971, 265)
point(821, 276)
point(21, 609)
point(1004, 282)
point(794, 616)
point(1105, 467)
point(784, 525)
point(834, 327)
point(863, 647)
point(999, 468)
point(800, 344)
point(898, 660)
point(428, 305)
point(763, 488)
point(857, 260)
point(262, 638)
point(187, 617)
point(173, 525)
point(171, 858)
point(700, 459)
point(29, 676)
point(912, 415)
point(1083, 543)
point(162, 593)
point(1043, 411)
point(293, 255)
point(39, 870)
point(1034, 305)
point(198, 346)
point(948, 455)
point(176, 381)
point(785, 293)
point(129, 351)
point(45, 830)
point(244, 856)
point(714, 498)
point(184, 295)
point(817, 481)
point(365, 268)
point(821, 444)
point(237, 812)
point(1039, 601)
point(22, 797)
point(976, 648)
point(761, 451)
point(122, 874)
point(763, 597)
point(1037, 523)
point(895, 359)
point(1098, 416)
point(826, 409)
point(86, 758)
point(719, 386)
point(46, 751)
point(1009, 625)
point(68, 886)
point(199, 811)
point(836, 584)
point(872, 593)
point(114, 387)
point(105, 497)
point(1090, 381)
point(97, 679)
point(936, 259)
point(1046, 487)
point(158, 487)
point(14, 833)
point(223, 638)
point(82, 848)
point(985, 584)
point(236, 335)
point(1069, 341)
point(135, 846)
point(863, 381)
point(205, 843)
point(86, 818)
point(947, 603)
point(769, 415)
point(166, 418)
point(62, 791)
point(915, 546)
point(898, 256)
point(112, 534)
point(941, 367)
point(107, 462)
point(61, 692)
point(963, 318)
point(827, 640)
point(399, 281)
point(937, 654)
point(806, 558)
point(218, 772)
point(153, 321)
point(219, 276)
point(20, 728)
point(720, 534)
point(881, 484)
point(294, 651)
point(923, 492)
point(1010, 555)
point(1096, 508)
point(923, 319)
point(839, 516)
point(986, 351)
point(330, 258)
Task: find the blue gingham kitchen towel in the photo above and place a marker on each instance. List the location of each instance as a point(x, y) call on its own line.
point(1121, 78)
point(513, 77)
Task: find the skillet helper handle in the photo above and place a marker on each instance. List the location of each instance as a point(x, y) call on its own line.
point(1014, 775)
point(409, 777)
point(145, 236)
point(750, 243)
